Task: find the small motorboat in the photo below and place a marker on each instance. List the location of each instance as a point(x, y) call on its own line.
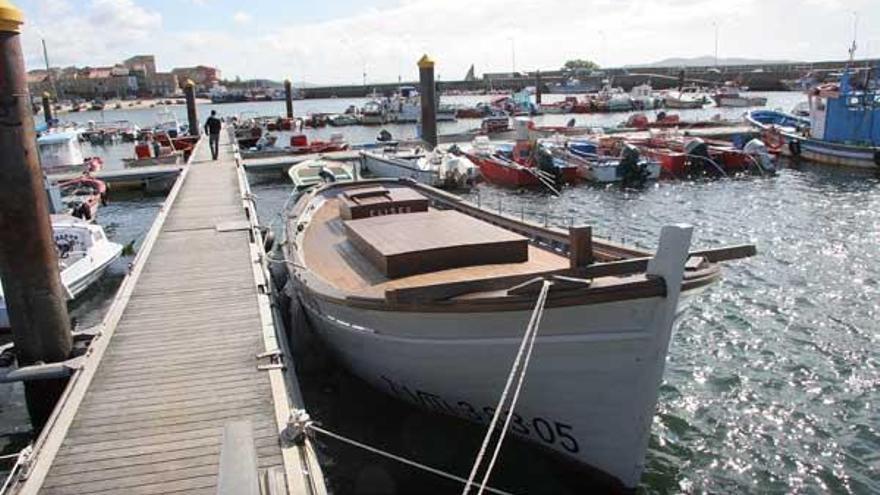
point(435, 168)
point(733, 96)
point(84, 254)
point(61, 152)
point(374, 112)
point(82, 196)
point(313, 172)
point(423, 294)
point(342, 119)
point(687, 97)
point(618, 162)
point(300, 144)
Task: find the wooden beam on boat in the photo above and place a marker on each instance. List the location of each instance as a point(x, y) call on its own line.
point(633, 266)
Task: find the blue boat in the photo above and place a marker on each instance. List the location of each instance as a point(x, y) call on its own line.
point(843, 128)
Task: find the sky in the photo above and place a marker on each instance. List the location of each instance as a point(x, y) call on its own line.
point(337, 41)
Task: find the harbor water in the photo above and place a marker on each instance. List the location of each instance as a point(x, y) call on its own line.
point(772, 383)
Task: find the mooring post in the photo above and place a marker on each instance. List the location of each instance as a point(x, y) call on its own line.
point(288, 97)
point(538, 92)
point(28, 263)
point(580, 246)
point(192, 116)
point(429, 101)
point(47, 108)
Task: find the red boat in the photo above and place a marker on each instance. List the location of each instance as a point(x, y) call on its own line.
point(679, 156)
point(82, 196)
point(504, 172)
point(300, 145)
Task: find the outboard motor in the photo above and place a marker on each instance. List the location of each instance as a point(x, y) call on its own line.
point(326, 175)
point(384, 136)
point(631, 171)
point(758, 151)
point(698, 158)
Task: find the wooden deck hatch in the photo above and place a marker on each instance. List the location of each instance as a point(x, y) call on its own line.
point(403, 245)
point(374, 201)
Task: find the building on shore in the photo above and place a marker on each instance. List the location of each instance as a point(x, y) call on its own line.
point(203, 76)
point(134, 77)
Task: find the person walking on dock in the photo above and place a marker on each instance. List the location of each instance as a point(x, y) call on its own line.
point(212, 129)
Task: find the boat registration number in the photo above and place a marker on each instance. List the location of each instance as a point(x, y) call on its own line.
point(548, 431)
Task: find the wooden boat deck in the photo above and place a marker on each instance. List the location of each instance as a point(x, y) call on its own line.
point(335, 259)
point(181, 364)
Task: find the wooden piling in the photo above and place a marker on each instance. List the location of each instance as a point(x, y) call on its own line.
point(288, 97)
point(538, 89)
point(192, 115)
point(429, 100)
point(47, 108)
point(580, 250)
point(28, 262)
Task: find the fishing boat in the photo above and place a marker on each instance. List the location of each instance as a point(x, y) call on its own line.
point(642, 97)
point(686, 98)
point(300, 144)
point(435, 168)
point(733, 96)
point(427, 297)
point(342, 119)
point(61, 152)
point(617, 162)
point(682, 156)
point(775, 119)
point(168, 123)
point(843, 128)
point(82, 196)
point(374, 113)
point(446, 112)
point(84, 254)
point(313, 172)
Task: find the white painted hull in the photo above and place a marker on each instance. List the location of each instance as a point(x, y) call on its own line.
point(386, 166)
point(79, 276)
point(373, 119)
point(592, 384)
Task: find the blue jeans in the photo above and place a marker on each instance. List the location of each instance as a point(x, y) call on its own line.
point(214, 142)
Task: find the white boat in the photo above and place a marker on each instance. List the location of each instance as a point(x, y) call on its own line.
point(436, 168)
point(446, 113)
point(61, 151)
point(167, 123)
point(84, 254)
point(406, 105)
point(733, 96)
point(642, 97)
point(687, 97)
point(430, 303)
point(313, 172)
point(374, 113)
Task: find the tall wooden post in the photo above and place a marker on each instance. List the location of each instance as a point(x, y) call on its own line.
point(580, 246)
point(47, 108)
point(538, 89)
point(32, 288)
point(429, 101)
point(192, 116)
point(288, 97)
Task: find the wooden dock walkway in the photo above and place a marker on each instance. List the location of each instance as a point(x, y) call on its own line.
point(177, 363)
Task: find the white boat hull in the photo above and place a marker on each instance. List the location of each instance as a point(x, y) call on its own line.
point(401, 168)
point(592, 383)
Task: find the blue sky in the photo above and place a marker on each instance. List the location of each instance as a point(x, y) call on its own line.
point(336, 41)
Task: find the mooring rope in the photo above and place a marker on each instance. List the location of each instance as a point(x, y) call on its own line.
point(525, 348)
point(312, 427)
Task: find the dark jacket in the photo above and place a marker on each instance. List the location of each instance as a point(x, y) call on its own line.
point(212, 126)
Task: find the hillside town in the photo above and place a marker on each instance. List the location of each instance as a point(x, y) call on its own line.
point(134, 77)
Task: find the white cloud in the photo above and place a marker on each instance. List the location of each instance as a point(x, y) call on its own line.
point(242, 17)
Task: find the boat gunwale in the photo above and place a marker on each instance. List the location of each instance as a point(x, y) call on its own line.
point(629, 285)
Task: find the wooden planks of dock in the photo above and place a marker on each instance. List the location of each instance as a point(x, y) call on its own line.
point(180, 365)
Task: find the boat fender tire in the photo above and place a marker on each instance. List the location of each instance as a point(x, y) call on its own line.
point(794, 146)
